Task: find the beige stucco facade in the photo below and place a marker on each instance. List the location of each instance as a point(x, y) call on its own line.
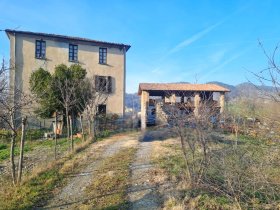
point(22, 58)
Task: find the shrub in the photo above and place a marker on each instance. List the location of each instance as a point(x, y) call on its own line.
point(34, 134)
point(3, 146)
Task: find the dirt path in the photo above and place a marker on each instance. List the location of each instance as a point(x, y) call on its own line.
point(143, 193)
point(73, 194)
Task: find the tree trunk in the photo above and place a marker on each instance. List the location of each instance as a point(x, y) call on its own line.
point(82, 128)
point(67, 122)
point(55, 135)
point(89, 128)
point(20, 162)
point(12, 149)
point(71, 133)
point(236, 135)
point(93, 130)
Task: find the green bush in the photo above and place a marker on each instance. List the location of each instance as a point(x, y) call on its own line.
point(3, 146)
point(35, 134)
point(5, 152)
point(5, 135)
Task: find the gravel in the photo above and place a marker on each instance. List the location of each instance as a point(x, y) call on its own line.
point(73, 194)
point(142, 193)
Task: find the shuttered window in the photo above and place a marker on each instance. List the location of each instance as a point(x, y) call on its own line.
point(103, 84)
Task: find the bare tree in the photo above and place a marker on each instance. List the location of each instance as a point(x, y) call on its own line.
point(241, 173)
point(3, 77)
point(55, 134)
point(82, 126)
point(22, 140)
point(68, 100)
point(13, 102)
point(269, 75)
point(95, 93)
point(71, 131)
point(192, 127)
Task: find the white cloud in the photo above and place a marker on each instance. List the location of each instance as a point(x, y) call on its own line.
point(223, 64)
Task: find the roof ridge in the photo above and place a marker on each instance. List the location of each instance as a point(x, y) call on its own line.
point(181, 87)
point(67, 37)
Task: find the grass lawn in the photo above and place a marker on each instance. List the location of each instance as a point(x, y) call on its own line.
point(31, 145)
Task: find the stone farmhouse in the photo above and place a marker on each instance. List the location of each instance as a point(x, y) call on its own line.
point(104, 60)
point(186, 97)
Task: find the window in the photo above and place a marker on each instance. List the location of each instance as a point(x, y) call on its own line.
point(102, 55)
point(73, 52)
point(101, 109)
point(40, 50)
point(103, 84)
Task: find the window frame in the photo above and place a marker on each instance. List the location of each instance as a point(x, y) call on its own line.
point(40, 49)
point(99, 86)
point(103, 51)
point(101, 109)
point(106, 87)
point(73, 49)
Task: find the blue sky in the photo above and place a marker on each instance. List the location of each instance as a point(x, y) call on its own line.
point(172, 41)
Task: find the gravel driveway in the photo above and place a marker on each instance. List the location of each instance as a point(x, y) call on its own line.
point(73, 194)
point(143, 194)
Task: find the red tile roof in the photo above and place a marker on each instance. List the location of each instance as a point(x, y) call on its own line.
point(180, 87)
point(71, 38)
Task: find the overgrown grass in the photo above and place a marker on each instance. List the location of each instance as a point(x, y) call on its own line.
point(34, 191)
point(108, 188)
point(5, 151)
point(173, 164)
point(62, 143)
point(252, 158)
point(212, 202)
point(37, 189)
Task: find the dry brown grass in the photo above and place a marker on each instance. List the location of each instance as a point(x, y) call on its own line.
point(172, 204)
point(109, 184)
point(170, 186)
point(70, 157)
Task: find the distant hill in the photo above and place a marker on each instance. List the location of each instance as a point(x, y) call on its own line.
point(245, 89)
point(132, 100)
point(233, 90)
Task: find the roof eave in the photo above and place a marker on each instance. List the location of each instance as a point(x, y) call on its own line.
point(143, 88)
point(63, 37)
